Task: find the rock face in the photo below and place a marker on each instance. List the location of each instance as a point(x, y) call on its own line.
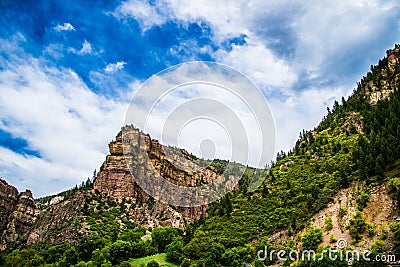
point(64, 219)
point(389, 77)
point(18, 213)
point(8, 201)
point(134, 155)
point(59, 222)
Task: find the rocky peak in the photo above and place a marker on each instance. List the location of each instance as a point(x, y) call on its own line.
point(384, 77)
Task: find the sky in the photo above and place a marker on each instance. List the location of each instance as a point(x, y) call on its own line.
point(68, 69)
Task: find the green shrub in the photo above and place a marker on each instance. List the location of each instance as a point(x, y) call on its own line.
point(370, 229)
point(342, 211)
point(379, 246)
point(362, 200)
point(311, 238)
point(356, 227)
point(328, 224)
point(153, 263)
point(174, 251)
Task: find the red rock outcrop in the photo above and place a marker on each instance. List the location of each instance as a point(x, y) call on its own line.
point(134, 155)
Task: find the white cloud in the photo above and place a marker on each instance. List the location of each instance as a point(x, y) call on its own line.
point(146, 14)
point(260, 64)
point(113, 67)
point(65, 27)
point(86, 48)
point(317, 40)
point(61, 118)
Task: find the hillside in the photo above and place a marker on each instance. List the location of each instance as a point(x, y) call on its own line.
point(356, 145)
point(341, 180)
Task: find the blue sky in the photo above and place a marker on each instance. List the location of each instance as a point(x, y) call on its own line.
point(69, 68)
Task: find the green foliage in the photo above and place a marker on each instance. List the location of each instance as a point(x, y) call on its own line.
point(393, 185)
point(383, 231)
point(342, 211)
point(153, 263)
point(369, 261)
point(370, 227)
point(323, 260)
point(265, 246)
point(395, 228)
point(357, 227)
point(328, 224)
point(311, 238)
point(88, 244)
point(133, 235)
point(92, 250)
point(362, 200)
point(174, 251)
point(185, 263)
point(238, 256)
point(379, 246)
point(120, 251)
point(161, 237)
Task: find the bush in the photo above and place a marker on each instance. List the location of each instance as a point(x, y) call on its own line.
point(153, 263)
point(356, 227)
point(174, 251)
point(370, 229)
point(185, 263)
point(161, 237)
point(120, 251)
point(362, 200)
point(311, 238)
point(393, 185)
point(395, 228)
point(238, 256)
point(379, 246)
point(342, 211)
point(328, 224)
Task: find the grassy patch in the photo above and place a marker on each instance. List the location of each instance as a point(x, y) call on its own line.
point(160, 258)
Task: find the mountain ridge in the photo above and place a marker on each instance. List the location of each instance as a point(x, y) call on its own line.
point(351, 156)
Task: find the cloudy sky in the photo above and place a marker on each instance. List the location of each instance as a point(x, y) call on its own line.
point(69, 68)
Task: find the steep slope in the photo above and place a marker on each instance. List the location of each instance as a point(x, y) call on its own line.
point(356, 145)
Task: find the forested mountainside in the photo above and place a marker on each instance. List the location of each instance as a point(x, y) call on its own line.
point(341, 180)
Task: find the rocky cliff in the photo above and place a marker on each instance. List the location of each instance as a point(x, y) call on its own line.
point(18, 213)
point(67, 217)
point(388, 77)
point(134, 155)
